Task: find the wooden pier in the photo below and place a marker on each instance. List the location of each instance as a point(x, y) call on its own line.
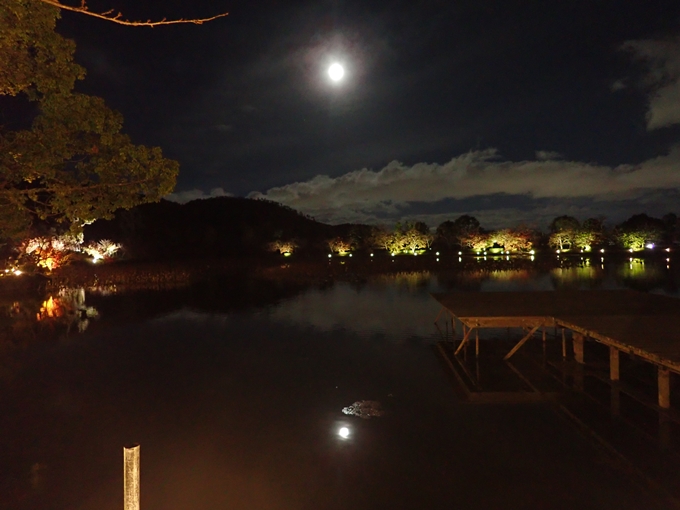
point(640, 324)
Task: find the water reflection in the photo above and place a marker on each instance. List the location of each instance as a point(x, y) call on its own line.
point(236, 389)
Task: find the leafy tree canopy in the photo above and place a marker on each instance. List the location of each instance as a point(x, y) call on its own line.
point(69, 164)
point(564, 224)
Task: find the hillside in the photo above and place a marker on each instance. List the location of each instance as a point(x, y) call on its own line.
point(223, 226)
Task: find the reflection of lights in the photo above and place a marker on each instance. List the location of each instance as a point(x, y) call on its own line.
point(437, 259)
point(649, 246)
point(668, 260)
point(668, 249)
point(602, 250)
point(532, 252)
point(343, 432)
point(17, 272)
point(532, 258)
point(286, 254)
point(460, 259)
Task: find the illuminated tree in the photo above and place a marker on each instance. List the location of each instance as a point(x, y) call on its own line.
point(339, 245)
point(562, 232)
point(71, 164)
point(514, 240)
point(479, 241)
point(283, 247)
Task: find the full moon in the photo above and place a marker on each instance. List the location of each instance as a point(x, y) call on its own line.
point(336, 72)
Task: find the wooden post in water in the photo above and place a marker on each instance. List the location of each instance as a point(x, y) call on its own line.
point(664, 378)
point(131, 478)
point(564, 345)
point(613, 363)
point(477, 343)
point(578, 347)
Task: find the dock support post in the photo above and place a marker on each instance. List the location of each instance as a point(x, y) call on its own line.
point(613, 363)
point(477, 342)
point(131, 478)
point(543, 334)
point(664, 383)
point(564, 345)
point(578, 347)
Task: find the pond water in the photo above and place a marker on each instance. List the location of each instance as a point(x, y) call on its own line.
point(235, 390)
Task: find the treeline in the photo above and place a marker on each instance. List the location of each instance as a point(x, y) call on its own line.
point(229, 226)
point(565, 233)
point(243, 228)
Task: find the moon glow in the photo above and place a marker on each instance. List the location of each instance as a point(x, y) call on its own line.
point(336, 72)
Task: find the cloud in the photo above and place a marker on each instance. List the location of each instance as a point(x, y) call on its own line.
point(183, 197)
point(370, 196)
point(548, 155)
point(662, 59)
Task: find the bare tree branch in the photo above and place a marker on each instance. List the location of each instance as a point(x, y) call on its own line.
point(118, 17)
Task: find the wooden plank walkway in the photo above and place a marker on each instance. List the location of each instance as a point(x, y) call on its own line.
point(640, 324)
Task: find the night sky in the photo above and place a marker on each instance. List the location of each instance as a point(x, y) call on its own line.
point(513, 111)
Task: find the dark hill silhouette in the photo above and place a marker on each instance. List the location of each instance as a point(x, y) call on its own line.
point(214, 227)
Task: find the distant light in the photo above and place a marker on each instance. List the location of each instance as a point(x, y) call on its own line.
point(668, 249)
point(532, 258)
point(532, 252)
point(649, 246)
point(437, 259)
point(460, 253)
point(350, 254)
point(631, 250)
point(558, 251)
point(668, 260)
point(286, 254)
point(371, 254)
point(343, 432)
point(460, 259)
point(336, 72)
point(95, 260)
point(602, 250)
point(393, 254)
point(329, 255)
point(437, 254)
point(17, 272)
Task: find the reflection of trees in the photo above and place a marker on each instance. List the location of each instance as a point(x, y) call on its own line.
point(577, 277)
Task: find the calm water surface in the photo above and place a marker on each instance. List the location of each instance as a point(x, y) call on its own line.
point(235, 391)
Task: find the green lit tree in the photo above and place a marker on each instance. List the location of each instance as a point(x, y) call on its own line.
point(70, 164)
